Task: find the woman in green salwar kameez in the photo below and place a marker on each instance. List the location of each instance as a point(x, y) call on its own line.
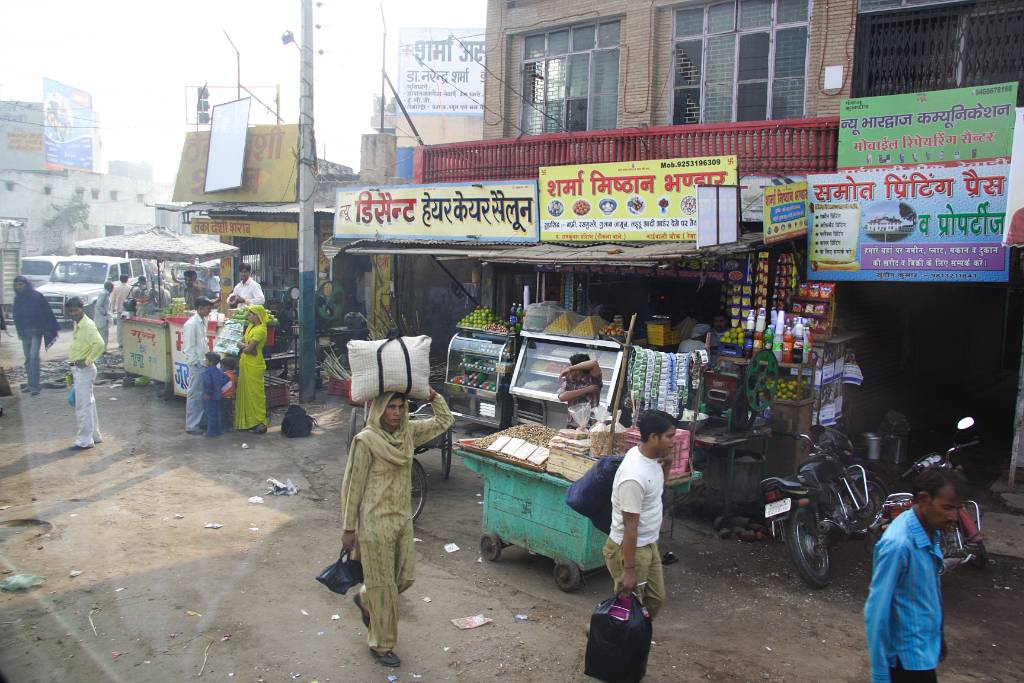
point(377, 511)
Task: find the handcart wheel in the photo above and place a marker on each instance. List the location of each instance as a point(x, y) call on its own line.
point(446, 454)
point(490, 547)
point(568, 576)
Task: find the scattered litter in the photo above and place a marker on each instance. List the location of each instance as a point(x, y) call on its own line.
point(521, 617)
point(471, 622)
point(21, 582)
point(767, 648)
point(446, 649)
point(319, 633)
point(113, 398)
point(479, 495)
point(118, 590)
point(417, 676)
point(335, 617)
point(75, 572)
point(479, 502)
point(450, 548)
point(193, 613)
point(304, 612)
point(426, 599)
point(225, 637)
point(256, 500)
point(5, 507)
point(480, 560)
point(178, 515)
point(254, 528)
point(294, 675)
point(392, 678)
point(73, 514)
point(276, 488)
point(213, 525)
point(417, 540)
point(117, 654)
point(93, 624)
point(245, 445)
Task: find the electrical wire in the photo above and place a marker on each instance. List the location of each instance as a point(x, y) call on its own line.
point(103, 127)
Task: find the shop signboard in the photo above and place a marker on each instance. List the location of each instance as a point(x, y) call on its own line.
point(1014, 234)
point(919, 224)
point(441, 71)
point(21, 136)
point(68, 127)
point(145, 348)
point(785, 212)
point(943, 126)
point(239, 227)
point(652, 200)
point(268, 173)
point(487, 212)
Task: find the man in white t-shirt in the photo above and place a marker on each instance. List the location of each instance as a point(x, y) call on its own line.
point(247, 291)
point(631, 553)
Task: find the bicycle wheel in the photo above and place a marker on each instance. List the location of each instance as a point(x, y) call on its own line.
point(419, 489)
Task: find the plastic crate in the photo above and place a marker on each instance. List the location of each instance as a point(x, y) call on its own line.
point(278, 392)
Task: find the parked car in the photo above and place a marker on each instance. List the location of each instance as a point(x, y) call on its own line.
point(37, 269)
point(83, 276)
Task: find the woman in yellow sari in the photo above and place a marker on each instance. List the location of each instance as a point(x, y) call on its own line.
point(377, 512)
point(250, 399)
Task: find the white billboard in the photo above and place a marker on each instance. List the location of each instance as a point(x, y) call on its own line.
point(21, 136)
point(225, 162)
point(441, 71)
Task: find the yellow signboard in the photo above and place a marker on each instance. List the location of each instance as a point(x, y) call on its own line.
point(269, 173)
point(146, 348)
point(488, 212)
point(627, 200)
point(785, 212)
point(233, 227)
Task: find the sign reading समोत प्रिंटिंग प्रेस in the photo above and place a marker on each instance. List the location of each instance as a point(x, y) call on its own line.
point(918, 224)
point(496, 211)
point(651, 200)
point(938, 127)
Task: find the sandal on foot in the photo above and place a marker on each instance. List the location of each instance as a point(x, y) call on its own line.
point(389, 658)
point(362, 612)
point(259, 429)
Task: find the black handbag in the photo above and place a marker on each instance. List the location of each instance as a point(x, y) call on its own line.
point(343, 574)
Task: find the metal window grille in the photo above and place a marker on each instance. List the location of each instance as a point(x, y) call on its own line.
point(940, 47)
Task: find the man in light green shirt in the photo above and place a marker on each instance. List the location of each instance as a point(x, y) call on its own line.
point(86, 348)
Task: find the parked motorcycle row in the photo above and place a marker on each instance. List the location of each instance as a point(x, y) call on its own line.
point(834, 497)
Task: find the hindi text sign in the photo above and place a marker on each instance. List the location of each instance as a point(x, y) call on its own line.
point(785, 212)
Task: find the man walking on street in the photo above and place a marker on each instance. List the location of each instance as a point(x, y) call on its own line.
point(117, 298)
point(36, 325)
point(195, 347)
point(903, 612)
point(631, 553)
point(86, 348)
point(101, 312)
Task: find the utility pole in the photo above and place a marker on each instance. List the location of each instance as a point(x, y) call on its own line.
point(307, 226)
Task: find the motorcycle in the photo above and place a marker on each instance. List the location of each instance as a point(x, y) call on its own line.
point(831, 500)
point(962, 544)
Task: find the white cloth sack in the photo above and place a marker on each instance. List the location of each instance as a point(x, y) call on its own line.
point(377, 370)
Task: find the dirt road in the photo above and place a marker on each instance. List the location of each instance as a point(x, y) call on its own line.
point(170, 599)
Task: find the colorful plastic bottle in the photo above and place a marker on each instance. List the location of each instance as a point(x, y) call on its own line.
point(798, 341)
point(787, 346)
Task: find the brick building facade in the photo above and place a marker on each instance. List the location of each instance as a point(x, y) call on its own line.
point(652, 36)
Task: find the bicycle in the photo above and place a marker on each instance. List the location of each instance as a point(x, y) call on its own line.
point(420, 486)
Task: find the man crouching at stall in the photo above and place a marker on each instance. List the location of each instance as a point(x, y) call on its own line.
point(631, 552)
point(377, 511)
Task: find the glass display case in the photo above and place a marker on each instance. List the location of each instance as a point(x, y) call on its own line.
point(478, 377)
point(542, 358)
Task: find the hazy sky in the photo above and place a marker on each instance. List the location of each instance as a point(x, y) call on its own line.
point(137, 56)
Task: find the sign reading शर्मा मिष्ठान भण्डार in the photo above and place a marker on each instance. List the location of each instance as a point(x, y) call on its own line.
point(938, 127)
point(268, 172)
point(441, 71)
point(785, 211)
point(919, 224)
point(497, 211)
point(652, 200)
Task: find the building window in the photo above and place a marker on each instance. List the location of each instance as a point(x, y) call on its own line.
point(743, 60)
point(10, 186)
point(140, 198)
point(80, 191)
point(876, 5)
point(571, 79)
point(47, 189)
point(113, 195)
point(95, 194)
point(111, 230)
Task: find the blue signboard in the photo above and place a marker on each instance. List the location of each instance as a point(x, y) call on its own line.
point(68, 127)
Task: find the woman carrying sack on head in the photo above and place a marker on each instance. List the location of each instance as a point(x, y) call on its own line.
point(251, 399)
point(377, 511)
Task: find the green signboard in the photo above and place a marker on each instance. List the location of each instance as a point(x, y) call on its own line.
point(940, 127)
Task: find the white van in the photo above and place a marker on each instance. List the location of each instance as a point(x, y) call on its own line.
point(83, 276)
point(37, 269)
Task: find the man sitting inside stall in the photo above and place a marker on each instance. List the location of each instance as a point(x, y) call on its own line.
point(581, 382)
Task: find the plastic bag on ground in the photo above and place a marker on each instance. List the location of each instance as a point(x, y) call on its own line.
point(619, 641)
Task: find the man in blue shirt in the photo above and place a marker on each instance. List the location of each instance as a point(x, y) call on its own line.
point(903, 613)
